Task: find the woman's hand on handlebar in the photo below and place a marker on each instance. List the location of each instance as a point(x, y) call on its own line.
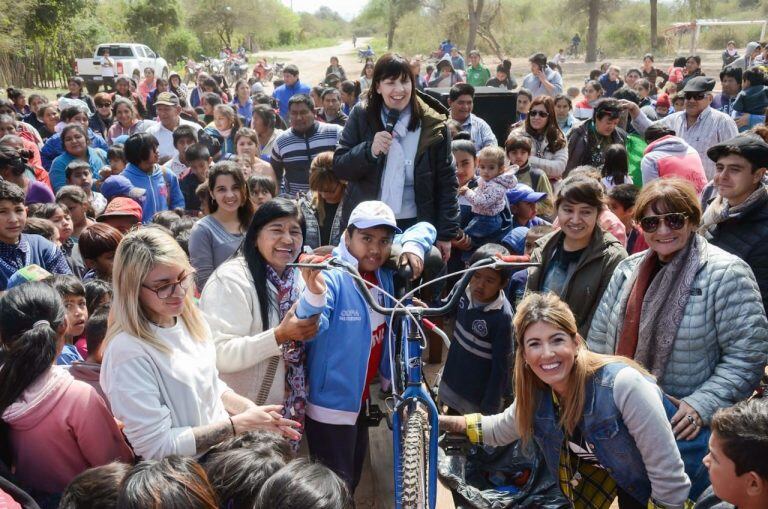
point(382, 140)
point(294, 328)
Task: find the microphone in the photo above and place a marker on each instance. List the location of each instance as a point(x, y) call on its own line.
point(392, 118)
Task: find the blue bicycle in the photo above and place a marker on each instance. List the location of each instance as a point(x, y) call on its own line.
point(414, 413)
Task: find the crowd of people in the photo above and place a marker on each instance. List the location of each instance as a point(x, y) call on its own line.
point(160, 349)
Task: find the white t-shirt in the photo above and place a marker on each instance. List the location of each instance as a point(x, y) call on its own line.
point(107, 67)
point(165, 137)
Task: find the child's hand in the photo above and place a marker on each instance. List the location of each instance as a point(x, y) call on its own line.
point(312, 277)
point(463, 190)
point(462, 242)
point(105, 172)
point(416, 263)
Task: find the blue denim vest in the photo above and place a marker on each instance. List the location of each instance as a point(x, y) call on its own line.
point(604, 430)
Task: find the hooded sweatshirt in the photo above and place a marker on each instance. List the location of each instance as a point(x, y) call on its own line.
point(438, 80)
point(60, 427)
point(671, 156)
point(752, 100)
point(747, 60)
point(162, 189)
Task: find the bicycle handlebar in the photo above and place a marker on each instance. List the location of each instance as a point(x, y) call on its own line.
point(458, 291)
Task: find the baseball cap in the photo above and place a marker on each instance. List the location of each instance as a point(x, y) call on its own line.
point(122, 206)
point(369, 214)
point(699, 84)
point(521, 192)
point(118, 185)
point(750, 147)
point(167, 98)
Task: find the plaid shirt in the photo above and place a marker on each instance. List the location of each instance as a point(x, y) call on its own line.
point(30, 250)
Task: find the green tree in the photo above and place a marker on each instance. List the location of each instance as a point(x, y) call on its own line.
point(150, 21)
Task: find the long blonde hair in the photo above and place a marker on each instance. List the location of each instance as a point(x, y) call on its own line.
point(139, 252)
point(550, 309)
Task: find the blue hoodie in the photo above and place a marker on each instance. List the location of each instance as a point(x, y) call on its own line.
point(283, 94)
point(752, 101)
point(161, 184)
point(337, 357)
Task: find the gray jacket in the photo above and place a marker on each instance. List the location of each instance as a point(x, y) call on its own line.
point(722, 344)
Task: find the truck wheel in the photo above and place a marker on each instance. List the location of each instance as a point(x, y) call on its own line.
point(164, 74)
point(93, 88)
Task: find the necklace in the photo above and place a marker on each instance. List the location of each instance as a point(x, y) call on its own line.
point(163, 326)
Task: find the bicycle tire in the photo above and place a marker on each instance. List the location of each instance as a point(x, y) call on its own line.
point(414, 461)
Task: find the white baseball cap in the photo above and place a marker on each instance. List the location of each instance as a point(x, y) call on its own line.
point(369, 214)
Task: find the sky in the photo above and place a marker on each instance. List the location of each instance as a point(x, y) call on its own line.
point(347, 8)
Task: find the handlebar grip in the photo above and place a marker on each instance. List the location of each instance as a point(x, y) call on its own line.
point(514, 258)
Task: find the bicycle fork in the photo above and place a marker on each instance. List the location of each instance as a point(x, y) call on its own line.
point(414, 395)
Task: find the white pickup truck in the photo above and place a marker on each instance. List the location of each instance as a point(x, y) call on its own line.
point(130, 60)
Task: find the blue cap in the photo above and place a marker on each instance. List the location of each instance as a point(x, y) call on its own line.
point(515, 240)
point(521, 192)
point(117, 185)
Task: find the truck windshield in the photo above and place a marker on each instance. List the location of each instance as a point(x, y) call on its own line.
point(116, 51)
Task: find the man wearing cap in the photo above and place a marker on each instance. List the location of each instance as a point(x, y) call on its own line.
point(522, 201)
point(542, 80)
point(736, 220)
point(460, 101)
point(290, 87)
point(121, 213)
point(168, 109)
point(699, 125)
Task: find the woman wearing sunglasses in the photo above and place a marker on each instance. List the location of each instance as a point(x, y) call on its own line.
point(588, 142)
point(687, 311)
point(549, 152)
point(159, 369)
point(578, 259)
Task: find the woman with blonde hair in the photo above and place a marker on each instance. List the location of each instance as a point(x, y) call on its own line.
point(159, 369)
point(599, 420)
point(322, 209)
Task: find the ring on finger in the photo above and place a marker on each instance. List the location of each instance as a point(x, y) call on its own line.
point(691, 419)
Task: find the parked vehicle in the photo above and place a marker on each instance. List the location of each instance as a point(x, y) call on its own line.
point(130, 60)
point(191, 70)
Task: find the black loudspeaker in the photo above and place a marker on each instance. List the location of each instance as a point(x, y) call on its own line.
point(496, 106)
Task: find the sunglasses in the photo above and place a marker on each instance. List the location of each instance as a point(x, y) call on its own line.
point(675, 221)
point(105, 105)
point(694, 96)
point(613, 114)
point(538, 113)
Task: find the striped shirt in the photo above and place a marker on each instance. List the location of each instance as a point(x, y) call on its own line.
point(711, 128)
point(292, 155)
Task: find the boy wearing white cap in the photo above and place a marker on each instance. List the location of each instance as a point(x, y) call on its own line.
point(349, 347)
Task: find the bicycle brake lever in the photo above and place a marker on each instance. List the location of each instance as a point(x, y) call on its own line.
point(437, 330)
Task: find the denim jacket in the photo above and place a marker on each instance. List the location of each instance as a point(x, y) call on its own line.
point(603, 429)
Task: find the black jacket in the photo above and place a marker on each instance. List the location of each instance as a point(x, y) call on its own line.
point(746, 236)
point(435, 181)
point(580, 145)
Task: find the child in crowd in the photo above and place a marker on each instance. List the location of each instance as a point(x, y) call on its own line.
point(524, 99)
point(98, 294)
point(97, 246)
point(518, 280)
point(184, 136)
point(172, 482)
point(302, 484)
point(621, 201)
point(662, 106)
point(88, 370)
point(79, 207)
point(523, 202)
point(42, 227)
point(118, 185)
point(73, 294)
point(202, 192)
point(475, 373)
point(17, 249)
point(336, 433)
point(247, 150)
point(117, 162)
point(79, 174)
point(57, 427)
point(615, 170)
point(261, 189)
point(678, 102)
point(95, 488)
point(736, 461)
point(122, 214)
point(753, 98)
point(573, 93)
point(518, 149)
point(487, 199)
point(59, 216)
point(199, 161)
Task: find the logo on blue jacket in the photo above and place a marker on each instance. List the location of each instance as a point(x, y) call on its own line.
point(480, 328)
point(350, 315)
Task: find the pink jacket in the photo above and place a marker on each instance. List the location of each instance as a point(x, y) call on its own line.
point(671, 156)
point(489, 198)
point(60, 427)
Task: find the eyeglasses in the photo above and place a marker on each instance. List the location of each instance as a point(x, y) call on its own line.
point(675, 221)
point(166, 291)
point(695, 96)
point(538, 113)
point(105, 105)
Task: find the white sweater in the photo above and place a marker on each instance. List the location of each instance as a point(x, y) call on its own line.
point(243, 347)
point(161, 397)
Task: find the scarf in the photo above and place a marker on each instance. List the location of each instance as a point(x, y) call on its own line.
point(393, 181)
point(294, 354)
point(655, 306)
point(720, 211)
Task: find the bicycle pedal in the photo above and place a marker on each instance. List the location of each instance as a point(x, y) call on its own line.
point(373, 416)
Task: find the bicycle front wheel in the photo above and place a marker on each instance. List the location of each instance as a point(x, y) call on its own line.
point(415, 461)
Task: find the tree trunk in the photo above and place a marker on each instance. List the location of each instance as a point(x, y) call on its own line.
point(475, 11)
point(654, 24)
point(392, 24)
point(594, 15)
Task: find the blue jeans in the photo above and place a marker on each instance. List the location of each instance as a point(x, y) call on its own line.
point(693, 452)
point(483, 226)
